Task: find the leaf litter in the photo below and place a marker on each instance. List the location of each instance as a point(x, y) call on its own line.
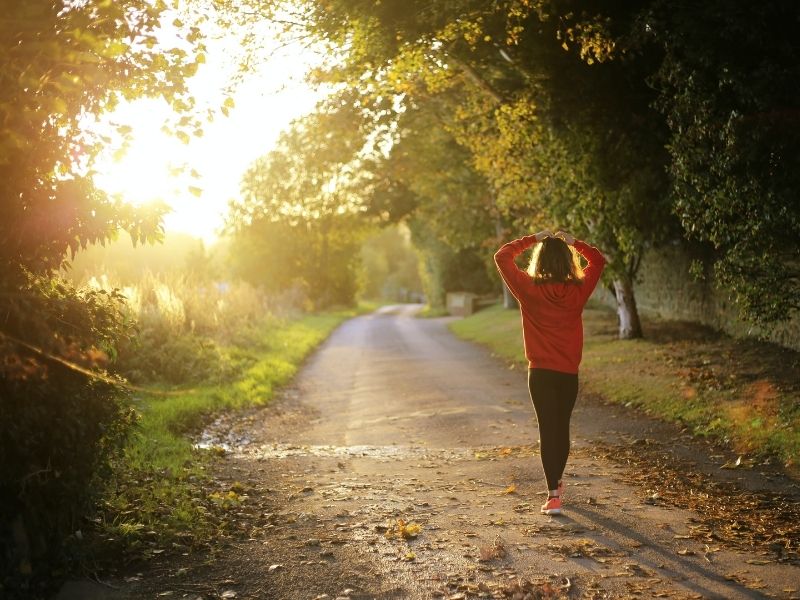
point(768, 522)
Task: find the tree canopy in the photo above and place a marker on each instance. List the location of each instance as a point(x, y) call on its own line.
point(731, 103)
point(62, 63)
point(297, 222)
point(621, 121)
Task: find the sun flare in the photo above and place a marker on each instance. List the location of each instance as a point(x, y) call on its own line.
point(199, 178)
point(148, 170)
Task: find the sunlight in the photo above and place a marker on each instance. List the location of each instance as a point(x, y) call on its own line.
point(197, 179)
point(143, 173)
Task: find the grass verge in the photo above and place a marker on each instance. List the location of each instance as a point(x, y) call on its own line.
point(430, 312)
point(161, 497)
point(740, 392)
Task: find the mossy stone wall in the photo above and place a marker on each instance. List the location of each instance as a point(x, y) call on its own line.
point(665, 288)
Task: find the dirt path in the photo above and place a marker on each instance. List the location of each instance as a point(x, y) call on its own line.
point(394, 418)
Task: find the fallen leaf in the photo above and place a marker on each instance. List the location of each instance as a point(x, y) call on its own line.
point(404, 530)
point(756, 561)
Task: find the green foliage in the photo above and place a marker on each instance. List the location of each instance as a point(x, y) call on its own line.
point(316, 259)
point(390, 266)
point(297, 223)
point(446, 203)
point(58, 429)
point(188, 358)
point(506, 114)
point(730, 100)
point(555, 104)
point(129, 263)
point(586, 117)
point(59, 63)
point(444, 269)
point(450, 196)
point(62, 63)
point(187, 328)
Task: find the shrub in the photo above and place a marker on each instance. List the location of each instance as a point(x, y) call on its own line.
point(59, 427)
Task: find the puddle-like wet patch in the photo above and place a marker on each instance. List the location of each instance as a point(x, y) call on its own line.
point(392, 452)
point(272, 451)
point(216, 436)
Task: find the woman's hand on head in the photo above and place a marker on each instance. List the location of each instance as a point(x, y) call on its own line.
point(545, 233)
point(567, 237)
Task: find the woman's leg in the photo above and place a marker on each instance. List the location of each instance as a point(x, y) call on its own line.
point(543, 390)
point(553, 395)
point(566, 396)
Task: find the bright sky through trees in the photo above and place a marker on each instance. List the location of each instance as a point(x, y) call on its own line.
point(265, 102)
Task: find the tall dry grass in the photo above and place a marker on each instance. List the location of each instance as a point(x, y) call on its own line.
point(187, 328)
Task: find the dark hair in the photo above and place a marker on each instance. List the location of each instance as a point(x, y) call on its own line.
point(554, 261)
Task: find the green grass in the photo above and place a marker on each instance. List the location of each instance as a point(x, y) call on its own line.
point(431, 312)
point(495, 327)
point(677, 374)
point(160, 491)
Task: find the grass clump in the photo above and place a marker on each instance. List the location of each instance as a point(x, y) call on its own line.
point(740, 392)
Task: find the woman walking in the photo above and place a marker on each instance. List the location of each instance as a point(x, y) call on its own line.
point(551, 298)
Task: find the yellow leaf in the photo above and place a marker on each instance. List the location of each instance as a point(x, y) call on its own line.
point(512, 489)
point(404, 530)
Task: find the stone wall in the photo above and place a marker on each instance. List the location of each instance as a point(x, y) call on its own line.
point(665, 288)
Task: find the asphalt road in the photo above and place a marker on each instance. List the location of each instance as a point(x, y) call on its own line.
point(393, 417)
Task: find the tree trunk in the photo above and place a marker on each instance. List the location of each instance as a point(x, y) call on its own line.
point(629, 325)
point(508, 298)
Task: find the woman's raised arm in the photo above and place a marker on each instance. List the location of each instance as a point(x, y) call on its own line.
point(592, 272)
point(516, 279)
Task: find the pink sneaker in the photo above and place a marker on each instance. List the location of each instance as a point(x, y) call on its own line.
point(552, 506)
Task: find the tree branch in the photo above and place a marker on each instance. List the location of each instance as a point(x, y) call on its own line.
point(475, 78)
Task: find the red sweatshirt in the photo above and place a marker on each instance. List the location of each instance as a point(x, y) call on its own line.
point(551, 312)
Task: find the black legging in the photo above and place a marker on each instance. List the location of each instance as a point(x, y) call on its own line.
point(553, 394)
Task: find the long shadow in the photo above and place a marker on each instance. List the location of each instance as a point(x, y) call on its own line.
point(673, 567)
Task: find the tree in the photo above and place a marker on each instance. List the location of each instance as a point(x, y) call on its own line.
point(60, 63)
point(453, 216)
point(560, 132)
point(390, 265)
point(297, 221)
point(730, 100)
